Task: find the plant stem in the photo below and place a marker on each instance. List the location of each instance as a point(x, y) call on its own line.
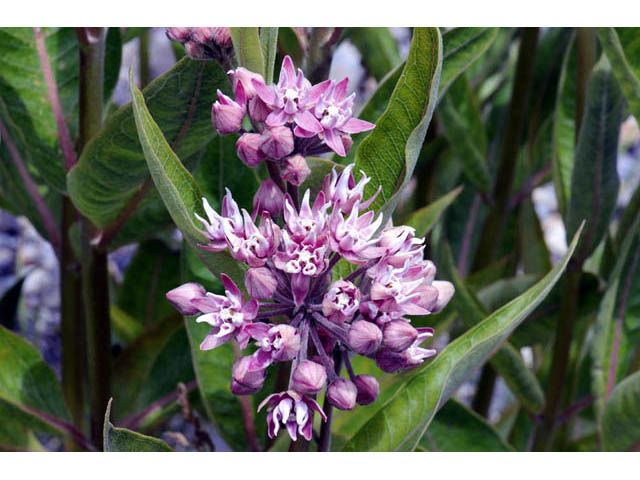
point(72, 328)
point(324, 444)
point(560, 358)
point(95, 285)
point(484, 393)
point(145, 64)
point(585, 60)
point(494, 223)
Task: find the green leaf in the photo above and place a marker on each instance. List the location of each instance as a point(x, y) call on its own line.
point(402, 422)
point(424, 220)
point(620, 427)
point(269, 44)
point(628, 78)
point(378, 48)
point(604, 332)
point(594, 182)
point(462, 122)
point(176, 186)
point(112, 60)
point(389, 154)
point(507, 359)
point(462, 47)
point(564, 128)
point(112, 171)
point(455, 428)
point(246, 45)
point(30, 395)
point(26, 112)
point(534, 251)
point(123, 440)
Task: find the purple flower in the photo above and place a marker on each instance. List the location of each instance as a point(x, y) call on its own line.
point(353, 238)
point(291, 99)
point(214, 230)
point(279, 343)
point(309, 222)
point(228, 314)
point(245, 381)
point(260, 282)
point(227, 114)
point(390, 361)
point(250, 244)
point(343, 192)
point(334, 111)
point(294, 411)
point(341, 301)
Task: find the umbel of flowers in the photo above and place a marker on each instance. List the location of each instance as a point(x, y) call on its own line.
point(297, 309)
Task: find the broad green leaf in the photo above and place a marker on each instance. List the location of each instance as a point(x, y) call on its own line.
point(389, 154)
point(26, 112)
point(620, 426)
point(604, 333)
point(462, 47)
point(594, 182)
point(269, 44)
point(112, 60)
point(462, 122)
point(247, 47)
point(424, 220)
point(176, 186)
point(628, 78)
point(123, 440)
point(564, 128)
point(402, 422)
point(455, 428)
point(507, 359)
point(30, 395)
point(112, 169)
point(152, 272)
point(132, 368)
point(129, 33)
point(213, 367)
point(124, 327)
point(378, 48)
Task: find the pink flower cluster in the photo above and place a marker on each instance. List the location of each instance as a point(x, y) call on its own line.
point(299, 309)
point(289, 120)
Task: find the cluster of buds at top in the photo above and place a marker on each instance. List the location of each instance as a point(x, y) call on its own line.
point(289, 120)
point(204, 43)
point(298, 308)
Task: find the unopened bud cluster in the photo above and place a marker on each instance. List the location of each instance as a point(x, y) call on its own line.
point(298, 309)
point(203, 43)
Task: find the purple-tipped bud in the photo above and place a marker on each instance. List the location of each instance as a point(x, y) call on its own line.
point(398, 335)
point(220, 36)
point(181, 297)
point(445, 292)
point(389, 361)
point(226, 114)
point(308, 377)
point(248, 149)
point(179, 34)
point(364, 337)
point(342, 394)
point(260, 283)
point(194, 49)
point(243, 381)
point(268, 198)
point(368, 389)
point(277, 142)
point(296, 169)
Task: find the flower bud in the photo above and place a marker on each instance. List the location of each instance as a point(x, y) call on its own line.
point(277, 142)
point(248, 149)
point(268, 198)
point(368, 389)
point(398, 335)
point(364, 337)
point(258, 110)
point(220, 36)
point(243, 76)
point(181, 297)
point(389, 361)
point(194, 50)
point(308, 377)
point(179, 34)
point(342, 394)
point(260, 283)
point(226, 114)
point(243, 381)
point(295, 170)
point(445, 292)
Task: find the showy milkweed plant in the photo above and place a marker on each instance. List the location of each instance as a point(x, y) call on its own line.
point(246, 244)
